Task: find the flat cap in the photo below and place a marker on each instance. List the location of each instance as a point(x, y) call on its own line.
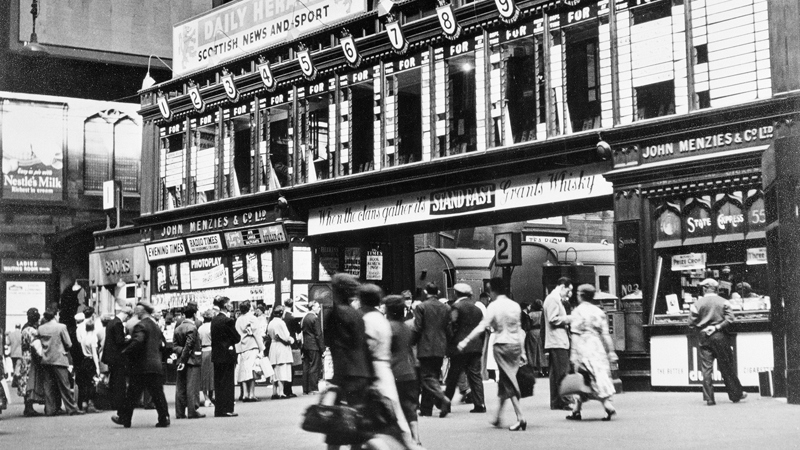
point(463, 288)
point(710, 282)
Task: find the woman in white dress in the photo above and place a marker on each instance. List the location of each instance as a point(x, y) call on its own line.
point(280, 352)
point(249, 348)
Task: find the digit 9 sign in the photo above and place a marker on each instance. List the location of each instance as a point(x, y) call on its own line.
point(508, 9)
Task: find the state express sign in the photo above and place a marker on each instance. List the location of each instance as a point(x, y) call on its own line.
point(506, 193)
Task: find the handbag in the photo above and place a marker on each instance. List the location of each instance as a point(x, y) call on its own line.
point(573, 383)
point(36, 347)
point(265, 366)
point(297, 357)
point(329, 416)
point(526, 378)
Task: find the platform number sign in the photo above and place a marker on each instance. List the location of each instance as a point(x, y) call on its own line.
point(266, 76)
point(508, 9)
point(229, 86)
point(350, 51)
point(507, 249)
point(197, 100)
point(306, 64)
point(396, 37)
point(163, 106)
point(450, 26)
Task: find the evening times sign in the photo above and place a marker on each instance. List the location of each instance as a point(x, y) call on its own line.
point(507, 193)
point(245, 26)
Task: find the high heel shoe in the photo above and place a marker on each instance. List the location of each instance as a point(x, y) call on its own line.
point(522, 425)
point(497, 423)
point(609, 413)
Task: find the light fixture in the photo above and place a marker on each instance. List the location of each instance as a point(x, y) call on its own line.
point(603, 148)
point(33, 46)
point(148, 80)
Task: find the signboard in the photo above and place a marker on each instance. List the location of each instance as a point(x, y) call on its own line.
point(675, 360)
point(272, 234)
point(208, 272)
point(202, 244)
point(301, 263)
point(375, 265)
point(691, 261)
point(546, 239)
point(109, 195)
point(22, 295)
point(507, 249)
point(165, 250)
point(756, 256)
point(352, 261)
point(498, 195)
point(245, 26)
point(725, 139)
point(30, 266)
point(33, 160)
point(222, 222)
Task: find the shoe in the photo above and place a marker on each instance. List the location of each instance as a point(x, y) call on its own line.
point(199, 416)
point(446, 406)
point(497, 423)
point(92, 410)
point(478, 409)
point(466, 398)
point(31, 413)
point(744, 396)
point(229, 414)
point(163, 424)
point(522, 425)
point(275, 396)
point(710, 403)
point(119, 421)
point(179, 417)
point(574, 416)
point(609, 414)
point(425, 414)
point(208, 404)
point(77, 412)
point(290, 396)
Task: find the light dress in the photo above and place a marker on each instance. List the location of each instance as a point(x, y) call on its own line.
point(589, 326)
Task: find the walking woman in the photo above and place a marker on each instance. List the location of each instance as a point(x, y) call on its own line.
point(592, 352)
point(31, 382)
point(206, 365)
point(280, 352)
point(503, 316)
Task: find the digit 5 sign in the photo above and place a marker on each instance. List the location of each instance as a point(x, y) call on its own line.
point(507, 249)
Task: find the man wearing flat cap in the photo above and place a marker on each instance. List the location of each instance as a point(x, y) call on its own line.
point(146, 372)
point(711, 315)
point(464, 317)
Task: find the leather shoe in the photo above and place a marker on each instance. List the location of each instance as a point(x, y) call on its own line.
point(228, 414)
point(574, 416)
point(478, 409)
point(199, 416)
point(425, 414)
point(744, 396)
point(710, 403)
point(446, 405)
point(77, 412)
point(164, 424)
point(290, 396)
point(119, 421)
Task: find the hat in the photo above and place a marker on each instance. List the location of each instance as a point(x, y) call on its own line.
point(146, 305)
point(588, 288)
point(80, 317)
point(710, 282)
point(463, 288)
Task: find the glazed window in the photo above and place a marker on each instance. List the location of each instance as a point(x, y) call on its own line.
point(112, 149)
point(172, 166)
point(277, 142)
point(668, 223)
point(203, 173)
point(314, 128)
point(237, 151)
point(583, 80)
point(523, 89)
point(403, 114)
point(655, 100)
point(644, 11)
point(358, 136)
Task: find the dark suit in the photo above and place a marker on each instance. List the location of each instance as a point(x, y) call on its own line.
point(146, 370)
point(713, 310)
point(431, 319)
point(116, 362)
point(312, 352)
point(223, 354)
point(293, 325)
point(56, 344)
point(465, 316)
point(186, 344)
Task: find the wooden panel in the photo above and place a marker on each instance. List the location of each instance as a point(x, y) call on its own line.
point(728, 24)
point(733, 100)
point(724, 90)
point(743, 49)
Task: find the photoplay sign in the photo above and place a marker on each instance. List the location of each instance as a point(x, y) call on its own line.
point(242, 27)
point(507, 193)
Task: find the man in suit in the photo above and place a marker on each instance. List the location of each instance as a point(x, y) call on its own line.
point(113, 358)
point(56, 344)
point(312, 348)
point(146, 371)
point(431, 319)
point(293, 325)
point(186, 344)
point(556, 340)
point(464, 317)
point(223, 354)
point(711, 315)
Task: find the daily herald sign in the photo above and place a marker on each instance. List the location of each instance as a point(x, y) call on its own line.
point(245, 26)
point(507, 193)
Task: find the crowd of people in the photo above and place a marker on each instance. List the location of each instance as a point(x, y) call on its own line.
point(411, 355)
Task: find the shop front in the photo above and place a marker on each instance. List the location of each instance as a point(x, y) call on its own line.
point(119, 276)
point(702, 215)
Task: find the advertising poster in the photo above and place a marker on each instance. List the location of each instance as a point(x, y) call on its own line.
point(374, 265)
point(186, 276)
point(266, 267)
point(173, 277)
point(252, 268)
point(209, 272)
point(328, 262)
point(237, 263)
point(301, 263)
point(161, 278)
point(22, 295)
point(33, 161)
point(352, 261)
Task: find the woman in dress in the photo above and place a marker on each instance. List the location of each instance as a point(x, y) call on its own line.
point(89, 368)
point(249, 347)
point(539, 362)
point(280, 352)
point(592, 352)
point(206, 367)
point(503, 316)
point(31, 381)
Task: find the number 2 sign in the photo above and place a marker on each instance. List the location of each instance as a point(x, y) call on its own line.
point(507, 249)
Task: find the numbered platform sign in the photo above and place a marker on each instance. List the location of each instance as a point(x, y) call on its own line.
point(450, 26)
point(396, 37)
point(230, 87)
point(266, 76)
point(197, 100)
point(508, 9)
point(507, 249)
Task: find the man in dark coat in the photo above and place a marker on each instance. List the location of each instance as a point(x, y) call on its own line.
point(293, 325)
point(186, 344)
point(115, 360)
point(464, 317)
point(146, 371)
point(56, 344)
point(223, 354)
point(431, 319)
point(312, 348)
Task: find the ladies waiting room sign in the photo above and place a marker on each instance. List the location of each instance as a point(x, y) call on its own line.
point(514, 192)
